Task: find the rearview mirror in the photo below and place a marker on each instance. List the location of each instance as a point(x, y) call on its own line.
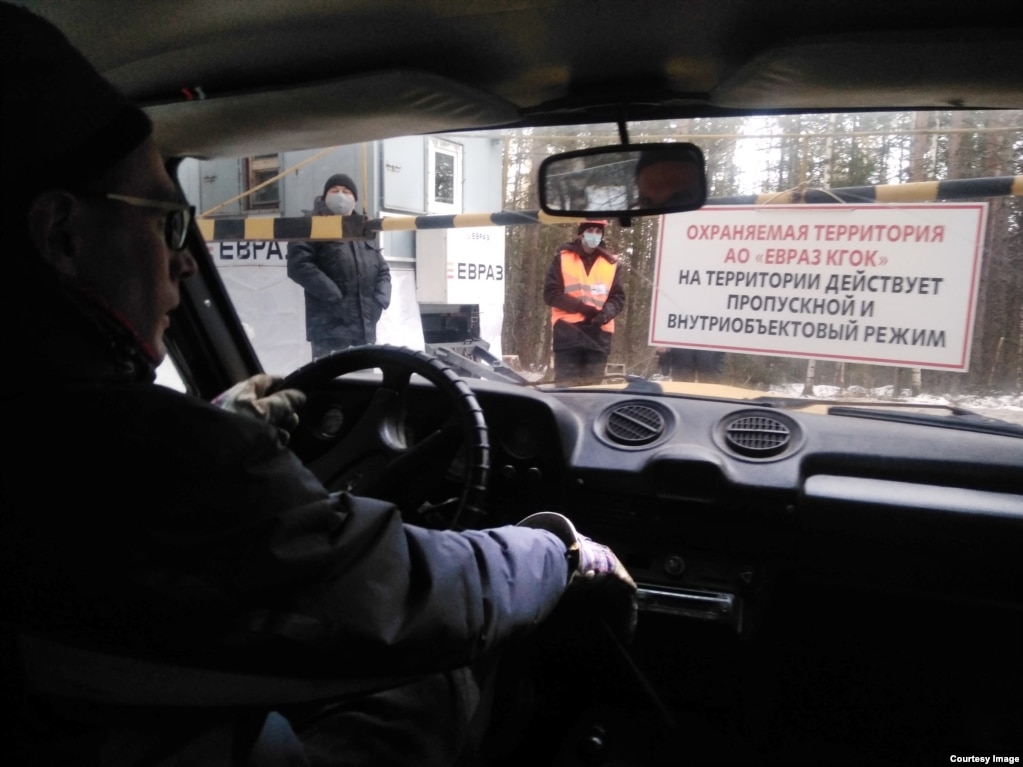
point(629, 179)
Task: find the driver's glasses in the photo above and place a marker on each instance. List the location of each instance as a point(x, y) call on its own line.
point(179, 215)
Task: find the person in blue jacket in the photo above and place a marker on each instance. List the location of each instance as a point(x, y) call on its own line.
point(176, 587)
point(347, 283)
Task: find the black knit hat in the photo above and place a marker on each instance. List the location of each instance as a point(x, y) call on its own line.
point(340, 179)
point(63, 123)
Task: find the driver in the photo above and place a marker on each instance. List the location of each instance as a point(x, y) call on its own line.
point(175, 585)
point(665, 179)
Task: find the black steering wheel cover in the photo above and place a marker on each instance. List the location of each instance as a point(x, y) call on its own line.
point(473, 426)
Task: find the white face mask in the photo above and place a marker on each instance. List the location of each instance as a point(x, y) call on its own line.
point(339, 203)
point(591, 239)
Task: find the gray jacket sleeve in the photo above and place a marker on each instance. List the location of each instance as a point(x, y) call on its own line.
point(382, 294)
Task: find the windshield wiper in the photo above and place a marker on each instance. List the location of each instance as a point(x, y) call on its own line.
point(471, 358)
point(633, 383)
point(898, 412)
point(798, 402)
point(963, 419)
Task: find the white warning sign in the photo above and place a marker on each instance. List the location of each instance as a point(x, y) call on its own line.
point(883, 284)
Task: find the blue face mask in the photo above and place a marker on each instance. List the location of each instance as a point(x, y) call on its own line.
point(592, 239)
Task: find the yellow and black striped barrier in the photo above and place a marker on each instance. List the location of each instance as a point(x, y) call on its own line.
point(297, 228)
point(916, 191)
point(466, 220)
point(360, 227)
point(356, 227)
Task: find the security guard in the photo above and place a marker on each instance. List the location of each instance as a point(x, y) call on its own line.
point(585, 295)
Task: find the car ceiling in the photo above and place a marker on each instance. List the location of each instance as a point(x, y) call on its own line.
point(229, 77)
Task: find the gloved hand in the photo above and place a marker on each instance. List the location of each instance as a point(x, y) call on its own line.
point(593, 567)
point(600, 318)
point(588, 311)
point(250, 397)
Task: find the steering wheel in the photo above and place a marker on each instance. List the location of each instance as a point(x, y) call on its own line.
point(367, 441)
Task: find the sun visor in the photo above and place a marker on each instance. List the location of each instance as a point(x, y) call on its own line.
point(960, 68)
point(327, 113)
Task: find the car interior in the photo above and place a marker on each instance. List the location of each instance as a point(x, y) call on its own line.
point(821, 581)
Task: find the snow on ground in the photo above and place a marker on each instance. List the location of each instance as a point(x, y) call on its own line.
point(1008, 407)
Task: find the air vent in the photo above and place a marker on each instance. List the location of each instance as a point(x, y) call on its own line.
point(758, 436)
point(634, 425)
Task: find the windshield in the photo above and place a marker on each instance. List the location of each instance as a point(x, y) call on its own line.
point(837, 257)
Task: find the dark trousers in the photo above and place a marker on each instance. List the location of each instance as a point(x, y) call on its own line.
point(328, 347)
point(437, 720)
point(580, 365)
point(693, 365)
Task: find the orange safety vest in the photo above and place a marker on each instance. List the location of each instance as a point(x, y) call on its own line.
point(592, 288)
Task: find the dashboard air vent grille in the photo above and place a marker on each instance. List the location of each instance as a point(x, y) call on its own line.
point(634, 425)
point(758, 436)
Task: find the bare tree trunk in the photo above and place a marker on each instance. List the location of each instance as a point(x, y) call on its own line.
point(811, 373)
point(994, 364)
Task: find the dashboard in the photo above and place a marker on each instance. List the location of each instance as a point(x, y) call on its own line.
point(804, 577)
point(709, 502)
point(849, 578)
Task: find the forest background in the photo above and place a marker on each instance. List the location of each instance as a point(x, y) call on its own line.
point(763, 155)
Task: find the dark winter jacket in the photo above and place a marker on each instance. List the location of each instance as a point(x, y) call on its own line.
point(347, 287)
point(569, 335)
point(149, 526)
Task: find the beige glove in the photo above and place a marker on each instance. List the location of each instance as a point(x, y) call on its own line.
point(250, 397)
